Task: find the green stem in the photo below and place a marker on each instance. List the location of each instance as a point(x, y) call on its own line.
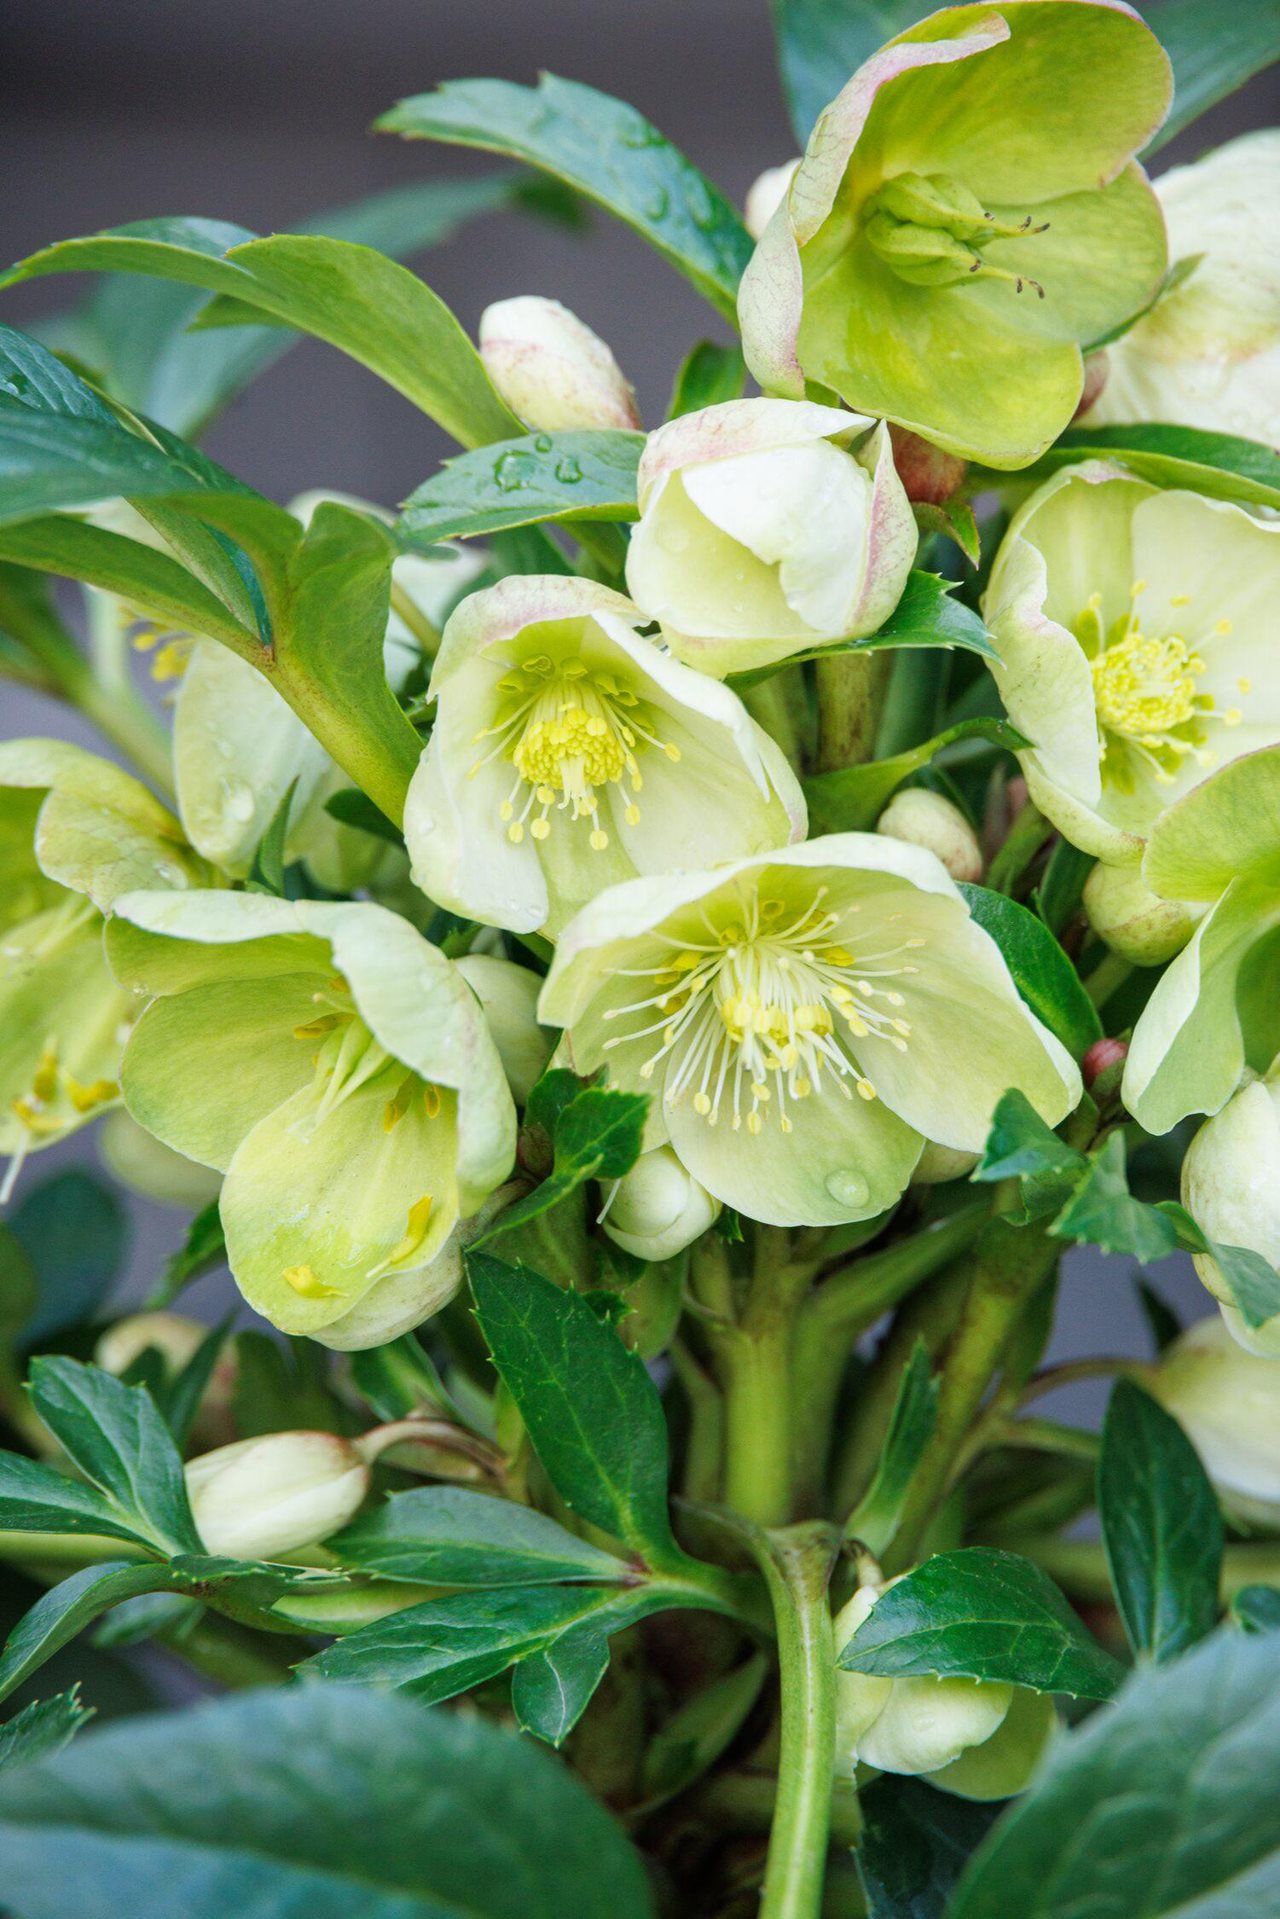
point(704, 1446)
point(1107, 977)
point(1026, 836)
point(851, 690)
point(755, 1376)
point(424, 632)
point(745, 1801)
point(796, 1564)
point(1080, 1565)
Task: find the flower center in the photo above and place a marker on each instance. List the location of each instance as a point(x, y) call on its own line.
point(569, 729)
point(1149, 702)
point(758, 1013)
point(930, 229)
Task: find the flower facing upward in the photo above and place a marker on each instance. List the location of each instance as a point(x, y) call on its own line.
point(570, 752)
point(804, 1019)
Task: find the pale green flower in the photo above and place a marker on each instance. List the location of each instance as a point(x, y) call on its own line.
point(569, 752)
point(1231, 1188)
point(338, 1068)
point(1137, 647)
point(276, 1493)
point(803, 1020)
point(1215, 1012)
point(1227, 1401)
point(74, 831)
point(768, 528)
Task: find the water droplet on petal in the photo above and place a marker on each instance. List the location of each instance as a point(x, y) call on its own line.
point(672, 537)
point(847, 1188)
point(237, 800)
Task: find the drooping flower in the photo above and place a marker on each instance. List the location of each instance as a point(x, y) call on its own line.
point(1136, 647)
point(768, 528)
point(1231, 1188)
point(1215, 1011)
point(1227, 1401)
point(570, 752)
point(967, 217)
point(1208, 353)
point(803, 1020)
point(339, 1069)
point(551, 369)
point(74, 831)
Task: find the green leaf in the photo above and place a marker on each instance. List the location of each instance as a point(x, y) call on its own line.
point(982, 1614)
point(1103, 1211)
point(182, 1398)
point(75, 1235)
point(316, 1801)
point(1021, 1145)
point(1253, 1281)
point(914, 1847)
point(1045, 978)
point(1207, 64)
point(266, 874)
point(358, 300)
point(204, 1249)
point(551, 1690)
point(703, 1728)
point(1257, 1608)
point(281, 1387)
point(35, 1498)
point(1163, 1803)
point(447, 1536)
point(401, 1378)
point(1161, 1526)
point(926, 615)
point(852, 798)
point(822, 43)
point(42, 1729)
point(875, 1519)
point(708, 375)
point(1058, 896)
point(606, 151)
point(1220, 464)
point(351, 807)
point(542, 476)
point(590, 1407)
point(34, 377)
point(117, 1438)
point(596, 1133)
point(66, 1610)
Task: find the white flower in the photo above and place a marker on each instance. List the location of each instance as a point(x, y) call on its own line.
point(551, 369)
point(1228, 1402)
point(1231, 1188)
point(768, 528)
point(803, 1019)
point(569, 752)
point(1208, 353)
point(657, 1209)
point(260, 1498)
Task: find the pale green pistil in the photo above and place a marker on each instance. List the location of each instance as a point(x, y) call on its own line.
point(931, 230)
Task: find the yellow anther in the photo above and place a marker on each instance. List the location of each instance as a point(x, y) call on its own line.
point(431, 1101)
point(303, 1280)
point(85, 1098)
point(313, 1028)
point(44, 1081)
point(599, 840)
point(866, 1089)
point(416, 1232)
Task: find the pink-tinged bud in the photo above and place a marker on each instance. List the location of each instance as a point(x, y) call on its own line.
point(922, 818)
point(551, 369)
point(928, 474)
point(261, 1498)
point(1104, 1056)
point(1095, 378)
point(765, 195)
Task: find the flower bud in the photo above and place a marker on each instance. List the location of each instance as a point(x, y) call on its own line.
point(939, 1163)
point(1132, 920)
point(1228, 1403)
point(927, 819)
point(765, 195)
point(173, 1336)
point(262, 1498)
point(657, 1209)
point(1231, 1188)
point(551, 369)
point(929, 475)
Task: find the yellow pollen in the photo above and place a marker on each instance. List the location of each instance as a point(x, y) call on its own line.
point(97, 1093)
point(304, 1281)
point(431, 1101)
point(416, 1231)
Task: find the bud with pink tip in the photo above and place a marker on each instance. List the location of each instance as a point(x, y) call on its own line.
point(551, 369)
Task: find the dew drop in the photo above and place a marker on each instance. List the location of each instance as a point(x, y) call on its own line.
point(568, 471)
point(237, 800)
point(657, 206)
point(542, 443)
point(672, 538)
point(508, 474)
point(847, 1188)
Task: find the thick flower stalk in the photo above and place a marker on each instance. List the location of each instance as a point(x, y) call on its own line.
point(1136, 648)
point(339, 1069)
point(804, 1021)
point(570, 752)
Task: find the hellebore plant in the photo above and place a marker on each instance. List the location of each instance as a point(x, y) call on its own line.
point(632, 971)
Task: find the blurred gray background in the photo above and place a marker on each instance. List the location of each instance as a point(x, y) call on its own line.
point(118, 110)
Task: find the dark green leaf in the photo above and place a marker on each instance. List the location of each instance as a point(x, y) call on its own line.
point(182, 1398)
point(1044, 976)
point(542, 476)
point(204, 1248)
point(42, 1729)
point(852, 798)
point(709, 375)
point(590, 1407)
point(117, 1438)
point(822, 43)
point(982, 1614)
point(401, 1378)
point(34, 377)
point(1257, 1608)
point(914, 1847)
point(353, 808)
point(953, 520)
point(281, 1387)
point(1163, 1803)
point(1103, 1211)
point(34, 1498)
point(551, 1690)
point(1219, 464)
point(74, 1232)
point(311, 1800)
point(606, 151)
point(66, 1610)
point(1021, 1146)
point(701, 1730)
point(875, 1519)
point(1160, 1524)
point(1207, 64)
point(266, 874)
point(447, 1536)
point(596, 1134)
point(1058, 896)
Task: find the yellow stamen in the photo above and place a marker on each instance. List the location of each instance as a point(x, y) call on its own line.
point(303, 1280)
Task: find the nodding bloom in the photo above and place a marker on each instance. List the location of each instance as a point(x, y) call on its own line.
point(955, 208)
point(1231, 1188)
point(339, 1069)
point(1136, 643)
point(804, 1020)
point(1227, 1401)
point(74, 831)
point(569, 752)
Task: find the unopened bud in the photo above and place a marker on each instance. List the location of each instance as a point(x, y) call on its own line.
point(929, 475)
point(261, 1498)
point(174, 1337)
point(1228, 1403)
point(1231, 1188)
point(658, 1209)
point(551, 369)
point(1104, 1058)
point(1132, 920)
point(765, 195)
point(927, 819)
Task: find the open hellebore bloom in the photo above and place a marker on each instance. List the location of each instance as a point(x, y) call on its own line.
point(1208, 353)
point(74, 831)
point(1215, 1012)
point(339, 1069)
point(1137, 647)
point(803, 1019)
point(768, 528)
point(968, 202)
point(1231, 1188)
point(551, 369)
point(569, 753)
point(976, 1738)
point(1228, 1402)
